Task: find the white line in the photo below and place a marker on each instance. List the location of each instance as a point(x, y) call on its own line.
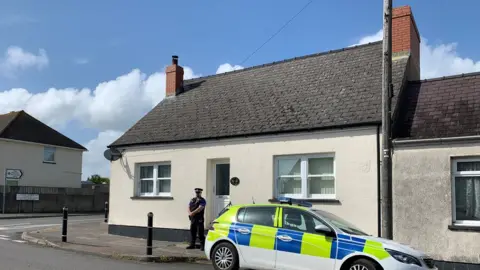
point(19, 241)
point(3, 238)
point(13, 225)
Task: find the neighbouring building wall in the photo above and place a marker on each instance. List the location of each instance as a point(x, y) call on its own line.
point(423, 201)
point(252, 161)
point(64, 172)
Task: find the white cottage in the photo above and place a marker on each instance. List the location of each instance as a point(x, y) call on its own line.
point(307, 127)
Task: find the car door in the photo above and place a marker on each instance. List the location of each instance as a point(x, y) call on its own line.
point(298, 245)
point(255, 235)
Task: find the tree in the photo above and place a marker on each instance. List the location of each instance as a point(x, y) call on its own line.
point(98, 180)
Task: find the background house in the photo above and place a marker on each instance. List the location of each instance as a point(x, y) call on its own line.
point(46, 157)
point(436, 168)
point(306, 127)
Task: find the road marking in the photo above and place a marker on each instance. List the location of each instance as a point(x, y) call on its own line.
point(13, 225)
point(19, 241)
point(2, 235)
point(5, 238)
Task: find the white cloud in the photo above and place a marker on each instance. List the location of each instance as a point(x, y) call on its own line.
point(436, 60)
point(227, 68)
point(93, 160)
point(112, 107)
point(371, 38)
point(81, 61)
point(129, 96)
point(16, 59)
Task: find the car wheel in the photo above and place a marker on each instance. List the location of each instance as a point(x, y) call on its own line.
point(225, 257)
point(362, 264)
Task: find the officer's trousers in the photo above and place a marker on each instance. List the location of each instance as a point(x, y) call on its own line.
point(197, 226)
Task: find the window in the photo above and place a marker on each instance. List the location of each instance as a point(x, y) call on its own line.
point(49, 154)
point(257, 215)
point(297, 220)
point(155, 180)
point(466, 192)
point(305, 176)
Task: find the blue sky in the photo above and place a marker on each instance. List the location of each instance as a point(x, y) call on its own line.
point(116, 51)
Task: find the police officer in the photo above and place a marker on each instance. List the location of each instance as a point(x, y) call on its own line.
point(196, 212)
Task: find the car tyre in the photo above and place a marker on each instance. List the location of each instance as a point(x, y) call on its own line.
point(362, 264)
point(225, 257)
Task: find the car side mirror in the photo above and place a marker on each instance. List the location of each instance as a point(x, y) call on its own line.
point(323, 229)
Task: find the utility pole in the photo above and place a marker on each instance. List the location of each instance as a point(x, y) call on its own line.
point(387, 92)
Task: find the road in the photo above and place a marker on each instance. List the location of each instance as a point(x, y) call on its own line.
point(16, 254)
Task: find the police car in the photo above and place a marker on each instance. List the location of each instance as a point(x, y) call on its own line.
point(292, 235)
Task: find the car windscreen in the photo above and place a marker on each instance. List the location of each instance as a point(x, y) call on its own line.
point(340, 223)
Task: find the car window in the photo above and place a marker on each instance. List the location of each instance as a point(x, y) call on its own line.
point(298, 220)
point(340, 223)
point(257, 215)
point(241, 215)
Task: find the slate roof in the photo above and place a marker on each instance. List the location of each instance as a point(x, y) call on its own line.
point(22, 126)
point(326, 90)
point(440, 108)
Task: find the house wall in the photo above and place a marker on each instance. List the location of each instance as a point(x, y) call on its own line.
point(28, 157)
point(422, 202)
point(251, 160)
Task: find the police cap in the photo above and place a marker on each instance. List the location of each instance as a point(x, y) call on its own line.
point(198, 190)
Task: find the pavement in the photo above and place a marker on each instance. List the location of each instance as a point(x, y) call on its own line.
point(19, 254)
point(92, 238)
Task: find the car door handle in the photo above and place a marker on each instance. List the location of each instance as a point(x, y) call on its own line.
point(243, 231)
point(285, 238)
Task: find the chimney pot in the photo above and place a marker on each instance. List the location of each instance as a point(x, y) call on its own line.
point(174, 59)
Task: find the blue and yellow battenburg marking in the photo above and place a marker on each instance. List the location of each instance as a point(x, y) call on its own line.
point(302, 243)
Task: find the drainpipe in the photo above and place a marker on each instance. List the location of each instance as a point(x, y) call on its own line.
point(379, 218)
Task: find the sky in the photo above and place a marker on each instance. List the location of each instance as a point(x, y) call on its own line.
point(91, 69)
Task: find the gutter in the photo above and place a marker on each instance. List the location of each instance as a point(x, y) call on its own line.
point(436, 140)
point(379, 219)
point(247, 135)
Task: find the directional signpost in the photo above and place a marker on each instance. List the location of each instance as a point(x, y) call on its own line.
point(10, 174)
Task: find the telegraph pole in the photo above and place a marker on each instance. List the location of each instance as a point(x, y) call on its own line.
point(387, 92)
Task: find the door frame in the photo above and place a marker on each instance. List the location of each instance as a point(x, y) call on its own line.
point(213, 179)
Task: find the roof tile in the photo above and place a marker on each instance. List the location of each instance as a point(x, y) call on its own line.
point(441, 108)
point(312, 92)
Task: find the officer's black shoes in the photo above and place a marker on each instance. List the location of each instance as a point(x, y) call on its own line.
point(202, 248)
point(191, 247)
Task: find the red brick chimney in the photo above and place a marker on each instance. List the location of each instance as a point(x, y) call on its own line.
point(406, 39)
point(174, 78)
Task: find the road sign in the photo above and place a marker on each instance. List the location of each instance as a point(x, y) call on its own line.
point(13, 174)
point(28, 197)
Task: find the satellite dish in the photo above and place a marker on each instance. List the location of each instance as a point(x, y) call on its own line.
point(112, 154)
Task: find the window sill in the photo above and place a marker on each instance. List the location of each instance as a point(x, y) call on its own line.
point(465, 228)
point(49, 162)
point(159, 198)
point(326, 201)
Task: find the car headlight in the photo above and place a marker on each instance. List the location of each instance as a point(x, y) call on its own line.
point(404, 258)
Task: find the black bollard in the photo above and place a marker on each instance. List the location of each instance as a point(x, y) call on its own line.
point(64, 224)
point(106, 212)
point(149, 233)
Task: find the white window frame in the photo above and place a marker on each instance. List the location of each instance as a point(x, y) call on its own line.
point(50, 149)
point(155, 180)
point(455, 174)
point(304, 176)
